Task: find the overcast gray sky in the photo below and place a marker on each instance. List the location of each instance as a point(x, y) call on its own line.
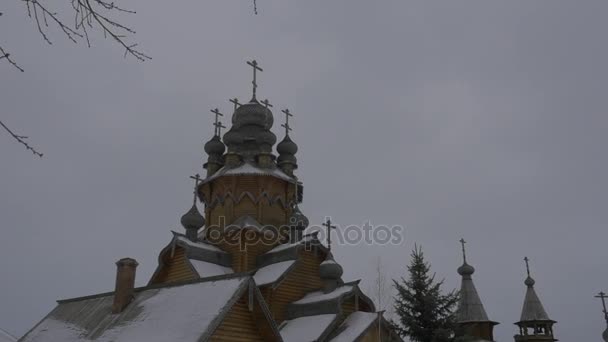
point(477, 119)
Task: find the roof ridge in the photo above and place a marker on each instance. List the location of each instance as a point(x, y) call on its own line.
point(163, 285)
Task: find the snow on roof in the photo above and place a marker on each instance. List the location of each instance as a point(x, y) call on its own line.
point(198, 244)
point(177, 313)
point(306, 238)
point(248, 169)
point(271, 273)
point(6, 337)
point(208, 269)
point(319, 296)
point(355, 325)
point(306, 329)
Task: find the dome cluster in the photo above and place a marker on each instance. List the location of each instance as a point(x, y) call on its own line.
point(250, 133)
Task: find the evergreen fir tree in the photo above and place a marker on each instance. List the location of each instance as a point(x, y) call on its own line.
point(424, 313)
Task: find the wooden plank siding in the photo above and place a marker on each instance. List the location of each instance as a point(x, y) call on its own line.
point(304, 278)
point(238, 325)
point(175, 268)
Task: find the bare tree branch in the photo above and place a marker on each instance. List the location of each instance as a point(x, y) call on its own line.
point(88, 15)
point(7, 56)
point(21, 139)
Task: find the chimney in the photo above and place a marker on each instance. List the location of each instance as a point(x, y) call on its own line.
point(125, 283)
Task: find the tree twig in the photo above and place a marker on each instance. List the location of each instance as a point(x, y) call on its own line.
point(21, 140)
point(7, 56)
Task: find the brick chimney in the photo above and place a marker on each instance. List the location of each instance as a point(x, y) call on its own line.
point(125, 283)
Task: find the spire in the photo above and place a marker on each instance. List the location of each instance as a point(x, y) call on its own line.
point(534, 323)
point(533, 309)
point(192, 220)
point(471, 313)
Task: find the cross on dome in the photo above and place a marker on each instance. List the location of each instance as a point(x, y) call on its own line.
point(254, 65)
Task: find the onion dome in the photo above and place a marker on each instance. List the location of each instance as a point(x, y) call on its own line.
point(252, 113)
point(287, 146)
point(193, 220)
point(466, 270)
point(250, 133)
point(298, 219)
point(529, 281)
point(330, 269)
point(215, 146)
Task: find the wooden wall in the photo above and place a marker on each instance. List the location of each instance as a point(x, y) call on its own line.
point(304, 278)
point(174, 268)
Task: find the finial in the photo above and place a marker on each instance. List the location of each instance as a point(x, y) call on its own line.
point(255, 67)
point(529, 280)
point(286, 124)
point(266, 103)
point(329, 228)
point(464, 253)
point(218, 125)
point(236, 103)
point(603, 297)
point(197, 179)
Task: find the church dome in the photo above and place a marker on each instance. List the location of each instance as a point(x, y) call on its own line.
point(529, 281)
point(252, 113)
point(329, 269)
point(466, 270)
point(287, 146)
point(193, 219)
point(215, 146)
point(298, 219)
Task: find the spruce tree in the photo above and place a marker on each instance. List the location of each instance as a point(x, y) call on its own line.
point(424, 313)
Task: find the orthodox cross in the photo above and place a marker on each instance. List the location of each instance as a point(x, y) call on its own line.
point(236, 102)
point(218, 127)
point(464, 254)
point(255, 67)
point(196, 178)
point(603, 297)
point(217, 124)
point(286, 124)
point(329, 228)
point(527, 265)
point(266, 103)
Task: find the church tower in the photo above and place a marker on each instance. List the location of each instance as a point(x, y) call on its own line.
point(249, 195)
point(534, 324)
point(471, 316)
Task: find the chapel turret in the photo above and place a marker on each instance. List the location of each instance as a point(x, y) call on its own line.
point(534, 324)
point(471, 315)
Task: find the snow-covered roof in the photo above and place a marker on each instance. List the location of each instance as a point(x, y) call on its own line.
point(320, 296)
point(248, 169)
point(208, 269)
point(306, 238)
point(306, 329)
point(198, 244)
point(272, 273)
point(6, 337)
point(186, 312)
point(355, 325)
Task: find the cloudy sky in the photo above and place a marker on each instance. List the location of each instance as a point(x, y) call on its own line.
point(477, 119)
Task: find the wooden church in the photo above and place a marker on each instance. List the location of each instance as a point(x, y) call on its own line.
point(243, 271)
